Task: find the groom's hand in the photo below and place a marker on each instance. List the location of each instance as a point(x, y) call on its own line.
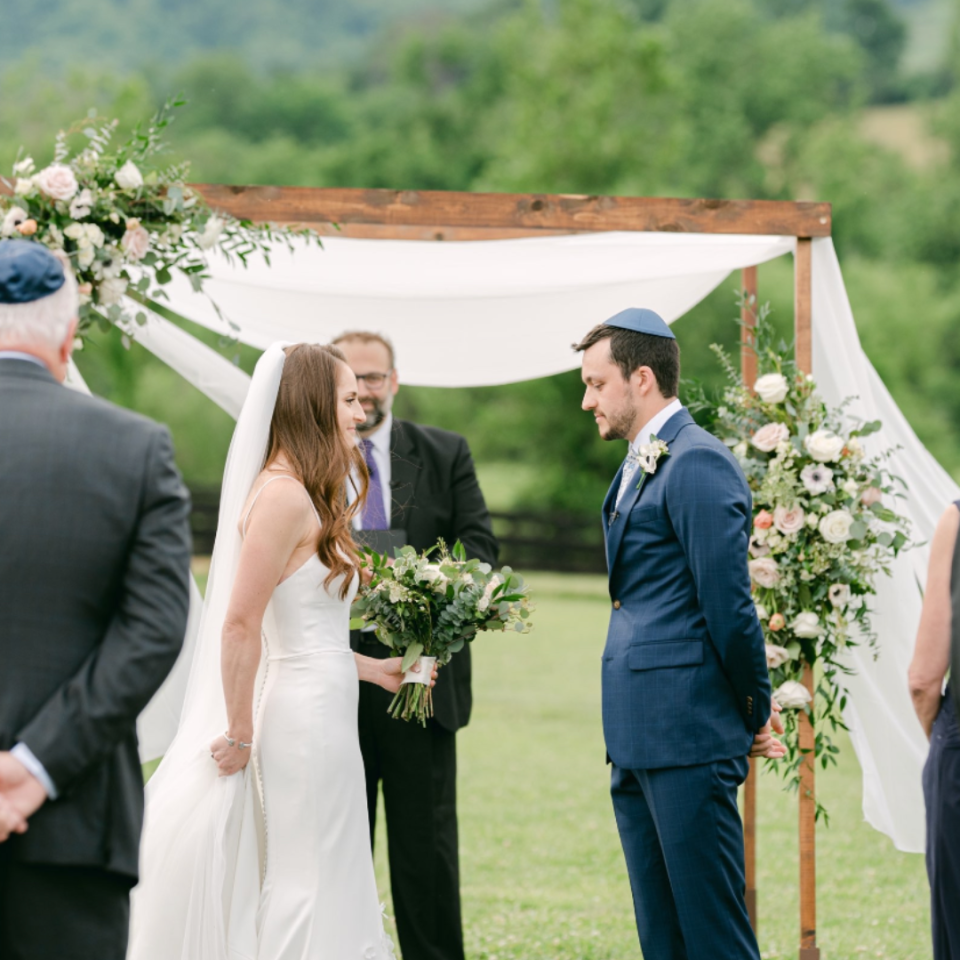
point(19, 788)
point(775, 720)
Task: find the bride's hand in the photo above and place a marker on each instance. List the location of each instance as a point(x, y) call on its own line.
point(391, 675)
point(230, 760)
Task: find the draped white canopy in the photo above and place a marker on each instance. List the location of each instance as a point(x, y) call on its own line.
point(496, 311)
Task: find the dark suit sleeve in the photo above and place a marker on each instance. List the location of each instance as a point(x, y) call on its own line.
point(96, 709)
point(710, 509)
point(471, 519)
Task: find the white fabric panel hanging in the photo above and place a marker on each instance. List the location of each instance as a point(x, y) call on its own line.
point(886, 734)
point(225, 384)
point(467, 313)
point(498, 311)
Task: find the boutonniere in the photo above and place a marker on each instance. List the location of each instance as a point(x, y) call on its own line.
point(648, 457)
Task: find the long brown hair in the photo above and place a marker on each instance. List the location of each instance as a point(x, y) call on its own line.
point(306, 430)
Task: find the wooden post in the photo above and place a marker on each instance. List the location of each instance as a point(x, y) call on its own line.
point(808, 807)
point(748, 365)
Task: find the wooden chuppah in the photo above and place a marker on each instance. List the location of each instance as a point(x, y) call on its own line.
point(434, 215)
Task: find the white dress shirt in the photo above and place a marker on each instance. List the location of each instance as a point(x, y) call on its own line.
point(652, 427)
point(655, 424)
point(381, 457)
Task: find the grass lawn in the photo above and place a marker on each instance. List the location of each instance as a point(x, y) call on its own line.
point(542, 871)
point(541, 868)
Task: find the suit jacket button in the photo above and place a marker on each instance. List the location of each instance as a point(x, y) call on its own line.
point(616, 604)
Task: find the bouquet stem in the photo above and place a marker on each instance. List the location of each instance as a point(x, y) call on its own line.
point(414, 699)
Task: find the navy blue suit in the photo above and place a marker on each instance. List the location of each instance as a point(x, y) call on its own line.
point(685, 689)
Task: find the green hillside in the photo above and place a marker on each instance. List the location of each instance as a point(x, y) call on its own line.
point(122, 35)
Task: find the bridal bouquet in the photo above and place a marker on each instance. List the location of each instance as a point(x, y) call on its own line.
point(426, 610)
point(824, 528)
point(124, 222)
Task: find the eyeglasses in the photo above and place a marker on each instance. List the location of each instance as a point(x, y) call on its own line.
point(374, 380)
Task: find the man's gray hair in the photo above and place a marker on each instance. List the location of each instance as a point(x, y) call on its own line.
point(43, 322)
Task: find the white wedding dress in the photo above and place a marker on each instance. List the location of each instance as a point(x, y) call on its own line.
point(273, 863)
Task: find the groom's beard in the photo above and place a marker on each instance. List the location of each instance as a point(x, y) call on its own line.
point(376, 414)
point(620, 425)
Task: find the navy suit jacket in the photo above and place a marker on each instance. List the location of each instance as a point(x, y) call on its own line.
point(685, 676)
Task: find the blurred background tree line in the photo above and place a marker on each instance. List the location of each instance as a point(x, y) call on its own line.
point(856, 102)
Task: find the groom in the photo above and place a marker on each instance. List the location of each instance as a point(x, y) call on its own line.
point(94, 567)
point(686, 694)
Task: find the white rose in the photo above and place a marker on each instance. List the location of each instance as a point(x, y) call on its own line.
point(136, 243)
point(839, 594)
point(812, 520)
point(85, 253)
point(776, 657)
point(24, 168)
point(23, 186)
point(14, 217)
point(112, 290)
point(850, 487)
point(824, 446)
point(769, 435)
point(835, 526)
point(788, 521)
point(806, 625)
point(741, 450)
point(792, 695)
point(771, 387)
point(81, 204)
point(764, 571)
point(128, 177)
point(211, 233)
point(57, 181)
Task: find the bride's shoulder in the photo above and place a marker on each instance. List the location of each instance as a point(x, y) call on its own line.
point(283, 501)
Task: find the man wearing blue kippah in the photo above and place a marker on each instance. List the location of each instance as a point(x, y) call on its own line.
point(686, 693)
point(94, 573)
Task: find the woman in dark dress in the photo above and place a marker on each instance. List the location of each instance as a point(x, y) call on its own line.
point(938, 643)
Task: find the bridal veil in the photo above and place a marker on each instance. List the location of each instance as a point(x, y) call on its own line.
point(201, 854)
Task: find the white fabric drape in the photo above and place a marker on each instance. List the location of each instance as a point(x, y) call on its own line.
point(886, 735)
point(490, 312)
point(471, 313)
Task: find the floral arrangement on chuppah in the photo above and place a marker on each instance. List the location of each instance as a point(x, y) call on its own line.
point(426, 610)
point(824, 529)
point(124, 222)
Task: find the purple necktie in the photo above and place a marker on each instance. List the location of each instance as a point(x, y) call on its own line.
point(374, 517)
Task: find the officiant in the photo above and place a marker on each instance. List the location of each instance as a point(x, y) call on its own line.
point(423, 487)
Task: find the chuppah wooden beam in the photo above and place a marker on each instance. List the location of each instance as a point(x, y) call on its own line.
point(436, 210)
point(803, 329)
point(748, 366)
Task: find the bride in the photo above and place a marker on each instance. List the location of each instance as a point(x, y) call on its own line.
point(270, 859)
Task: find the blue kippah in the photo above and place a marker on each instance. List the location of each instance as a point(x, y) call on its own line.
point(28, 271)
point(641, 321)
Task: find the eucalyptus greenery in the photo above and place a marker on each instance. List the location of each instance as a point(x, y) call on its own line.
point(125, 220)
point(824, 529)
point(433, 608)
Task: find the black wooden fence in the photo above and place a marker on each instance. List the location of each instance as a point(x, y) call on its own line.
point(529, 540)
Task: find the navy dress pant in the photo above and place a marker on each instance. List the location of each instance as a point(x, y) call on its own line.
point(683, 841)
point(941, 790)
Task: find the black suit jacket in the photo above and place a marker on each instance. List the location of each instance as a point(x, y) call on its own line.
point(435, 495)
point(94, 574)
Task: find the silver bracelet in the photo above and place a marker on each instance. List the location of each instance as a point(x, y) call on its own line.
point(233, 743)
